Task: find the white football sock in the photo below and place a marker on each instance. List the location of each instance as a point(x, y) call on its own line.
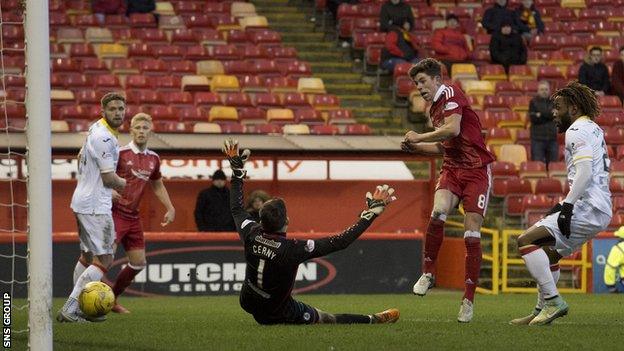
point(78, 270)
point(91, 274)
point(538, 265)
point(540, 298)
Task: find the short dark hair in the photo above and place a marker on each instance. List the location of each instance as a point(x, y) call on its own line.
point(273, 215)
point(428, 66)
point(581, 96)
point(621, 48)
point(108, 97)
point(595, 48)
point(451, 16)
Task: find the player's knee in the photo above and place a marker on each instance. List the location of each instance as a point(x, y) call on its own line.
point(524, 240)
point(138, 265)
point(438, 214)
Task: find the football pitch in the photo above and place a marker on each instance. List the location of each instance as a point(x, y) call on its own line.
point(595, 322)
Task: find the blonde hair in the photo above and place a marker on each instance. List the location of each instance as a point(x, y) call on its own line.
point(141, 117)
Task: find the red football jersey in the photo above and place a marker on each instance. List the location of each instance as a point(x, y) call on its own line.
point(137, 168)
point(467, 150)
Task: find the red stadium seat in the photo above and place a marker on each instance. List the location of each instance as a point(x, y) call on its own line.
point(181, 68)
point(297, 69)
point(74, 112)
point(614, 136)
point(265, 68)
point(169, 52)
point(12, 110)
point(533, 169)
point(252, 115)
point(357, 129)
point(107, 81)
point(142, 20)
point(549, 73)
point(78, 50)
point(267, 100)
point(340, 116)
point(610, 103)
point(495, 103)
point(188, 7)
point(281, 84)
point(237, 100)
point(504, 88)
point(253, 84)
point(254, 52)
point(153, 67)
point(77, 81)
point(167, 83)
point(144, 97)
point(269, 128)
point(325, 101)
point(403, 87)
point(64, 65)
point(178, 99)
point(282, 52)
point(183, 36)
point(295, 101)
point(160, 112)
point(235, 36)
point(501, 169)
point(232, 128)
point(90, 65)
point(264, 37)
point(548, 186)
point(87, 97)
point(225, 52)
point(140, 50)
point(192, 114)
point(196, 53)
point(324, 130)
point(309, 116)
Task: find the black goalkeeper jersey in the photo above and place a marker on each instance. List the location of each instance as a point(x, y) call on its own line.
point(273, 260)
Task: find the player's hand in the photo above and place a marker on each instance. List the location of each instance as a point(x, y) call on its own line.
point(116, 196)
point(565, 218)
point(555, 209)
point(237, 161)
point(407, 147)
point(413, 137)
point(377, 201)
point(168, 218)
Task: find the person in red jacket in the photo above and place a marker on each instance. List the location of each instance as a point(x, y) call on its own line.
point(451, 44)
point(401, 46)
point(102, 8)
point(617, 76)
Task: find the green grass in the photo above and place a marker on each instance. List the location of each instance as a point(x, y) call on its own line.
point(217, 323)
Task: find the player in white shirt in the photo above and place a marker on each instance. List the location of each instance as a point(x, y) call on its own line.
point(586, 209)
point(92, 200)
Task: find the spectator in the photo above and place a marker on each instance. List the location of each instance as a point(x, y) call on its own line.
point(594, 73)
point(614, 266)
point(140, 6)
point(394, 13)
point(544, 146)
point(101, 8)
point(212, 210)
point(401, 46)
point(495, 16)
point(617, 76)
point(451, 44)
point(531, 18)
point(507, 47)
point(254, 203)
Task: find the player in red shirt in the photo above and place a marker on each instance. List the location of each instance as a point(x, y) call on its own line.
point(465, 175)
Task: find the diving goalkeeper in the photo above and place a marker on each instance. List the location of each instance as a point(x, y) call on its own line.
point(272, 259)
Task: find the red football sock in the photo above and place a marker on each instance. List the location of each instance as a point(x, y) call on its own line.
point(473, 266)
point(433, 241)
point(124, 279)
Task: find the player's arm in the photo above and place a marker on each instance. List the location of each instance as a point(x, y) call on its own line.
point(375, 203)
point(163, 196)
point(450, 129)
point(582, 160)
point(103, 150)
point(111, 180)
point(429, 149)
point(237, 160)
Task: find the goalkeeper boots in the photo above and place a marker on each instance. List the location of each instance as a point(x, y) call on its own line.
point(64, 316)
point(423, 284)
point(525, 320)
point(387, 316)
point(553, 309)
point(465, 311)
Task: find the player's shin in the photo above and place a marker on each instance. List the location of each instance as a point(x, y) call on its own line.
point(472, 240)
point(125, 277)
point(433, 241)
point(81, 265)
point(538, 265)
point(555, 271)
point(93, 273)
point(353, 319)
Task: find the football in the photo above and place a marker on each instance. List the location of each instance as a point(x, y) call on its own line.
point(96, 299)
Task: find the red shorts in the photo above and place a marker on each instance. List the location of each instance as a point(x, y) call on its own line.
point(472, 186)
point(129, 232)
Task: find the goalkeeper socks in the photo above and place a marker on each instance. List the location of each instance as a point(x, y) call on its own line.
point(93, 273)
point(472, 240)
point(433, 241)
point(353, 319)
point(538, 265)
point(125, 277)
point(81, 265)
point(555, 271)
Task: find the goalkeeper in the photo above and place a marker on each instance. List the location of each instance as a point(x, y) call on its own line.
point(272, 259)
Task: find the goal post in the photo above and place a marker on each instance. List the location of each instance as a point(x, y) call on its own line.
point(36, 34)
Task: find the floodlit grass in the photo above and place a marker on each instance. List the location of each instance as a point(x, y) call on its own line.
point(595, 322)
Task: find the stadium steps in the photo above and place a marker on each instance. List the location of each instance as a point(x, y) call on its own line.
point(330, 62)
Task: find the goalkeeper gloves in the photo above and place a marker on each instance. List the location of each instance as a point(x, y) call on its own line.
point(555, 209)
point(376, 203)
point(237, 161)
point(565, 218)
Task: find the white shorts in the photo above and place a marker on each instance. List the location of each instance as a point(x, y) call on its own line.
point(96, 233)
point(587, 221)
